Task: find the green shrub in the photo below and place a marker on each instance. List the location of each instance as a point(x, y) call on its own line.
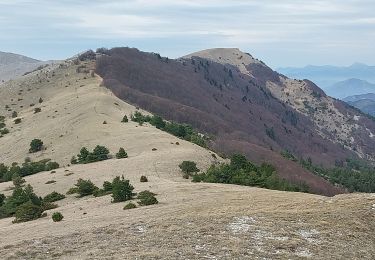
point(101, 192)
point(130, 205)
point(188, 167)
point(48, 205)
point(147, 198)
point(18, 181)
point(57, 217)
point(20, 195)
point(122, 190)
point(36, 145)
point(14, 114)
point(54, 196)
point(37, 110)
point(125, 119)
point(107, 186)
point(27, 212)
point(121, 154)
point(17, 121)
point(143, 179)
point(72, 190)
point(85, 187)
point(99, 153)
point(240, 171)
point(2, 199)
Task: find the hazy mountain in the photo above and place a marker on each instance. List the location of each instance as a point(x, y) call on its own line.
point(354, 98)
point(14, 65)
point(350, 87)
point(365, 102)
point(325, 76)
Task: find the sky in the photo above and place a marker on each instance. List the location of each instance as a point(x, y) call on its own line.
point(279, 32)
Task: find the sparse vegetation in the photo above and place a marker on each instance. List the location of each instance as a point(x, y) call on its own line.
point(188, 168)
point(352, 174)
point(242, 172)
point(130, 205)
point(100, 153)
point(37, 110)
point(183, 131)
point(17, 121)
point(122, 190)
point(57, 217)
point(147, 198)
point(85, 187)
point(27, 212)
point(36, 145)
point(125, 119)
point(121, 154)
point(54, 196)
point(143, 179)
point(27, 168)
point(23, 204)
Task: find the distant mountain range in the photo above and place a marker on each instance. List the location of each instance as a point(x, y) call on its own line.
point(350, 87)
point(325, 76)
point(15, 65)
point(365, 102)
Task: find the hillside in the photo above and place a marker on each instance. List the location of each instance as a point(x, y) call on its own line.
point(192, 220)
point(245, 105)
point(14, 65)
point(350, 87)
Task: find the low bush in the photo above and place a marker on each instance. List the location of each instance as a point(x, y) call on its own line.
point(183, 131)
point(130, 205)
point(100, 153)
point(27, 212)
point(125, 119)
point(72, 190)
point(85, 187)
point(36, 145)
point(147, 198)
point(57, 217)
point(240, 171)
point(143, 179)
point(27, 168)
point(121, 154)
point(54, 196)
point(188, 168)
point(122, 190)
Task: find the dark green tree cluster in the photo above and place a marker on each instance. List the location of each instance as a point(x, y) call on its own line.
point(356, 176)
point(23, 204)
point(183, 131)
point(100, 153)
point(240, 171)
point(27, 168)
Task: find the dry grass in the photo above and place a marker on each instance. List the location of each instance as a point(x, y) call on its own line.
point(192, 220)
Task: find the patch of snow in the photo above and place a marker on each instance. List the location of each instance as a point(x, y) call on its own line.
point(241, 224)
point(356, 118)
point(303, 253)
point(373, 206)
point(309, 235)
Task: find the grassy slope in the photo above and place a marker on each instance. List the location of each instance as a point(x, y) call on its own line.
point(192, 220)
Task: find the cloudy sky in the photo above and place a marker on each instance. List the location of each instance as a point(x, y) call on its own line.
point(280, 32)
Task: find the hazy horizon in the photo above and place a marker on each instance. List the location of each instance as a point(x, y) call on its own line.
point(287, 34)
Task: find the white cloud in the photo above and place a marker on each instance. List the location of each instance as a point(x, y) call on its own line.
point(334, 25)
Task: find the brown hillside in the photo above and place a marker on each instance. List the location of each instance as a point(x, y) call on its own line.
point(218, 99)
